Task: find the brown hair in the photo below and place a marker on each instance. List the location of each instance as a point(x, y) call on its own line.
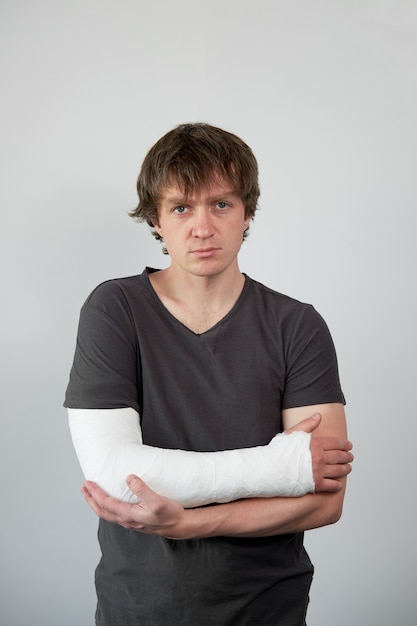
point(191, 155)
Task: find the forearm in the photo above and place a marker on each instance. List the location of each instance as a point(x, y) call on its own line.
point(109, 447)
point(261, 517)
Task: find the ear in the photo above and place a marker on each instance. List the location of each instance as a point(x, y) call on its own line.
point(247, 222)
point(157, 227)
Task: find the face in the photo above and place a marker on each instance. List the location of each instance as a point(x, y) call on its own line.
point(203, 232)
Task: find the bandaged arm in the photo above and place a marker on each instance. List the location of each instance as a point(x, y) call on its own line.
point(109, 446)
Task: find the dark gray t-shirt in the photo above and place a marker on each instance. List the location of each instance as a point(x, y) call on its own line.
point(221, 389)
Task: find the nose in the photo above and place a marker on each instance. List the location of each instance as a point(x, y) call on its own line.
point(203, 224)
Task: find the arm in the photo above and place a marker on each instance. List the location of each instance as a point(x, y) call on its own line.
point(109, 447)
point(283, 515)
point(245, 518)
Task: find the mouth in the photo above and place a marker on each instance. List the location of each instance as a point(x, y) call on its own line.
point(203, 253)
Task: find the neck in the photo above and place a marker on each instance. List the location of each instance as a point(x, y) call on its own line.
point(199, 302)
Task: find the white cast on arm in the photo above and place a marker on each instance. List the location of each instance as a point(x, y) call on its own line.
point(108, 443)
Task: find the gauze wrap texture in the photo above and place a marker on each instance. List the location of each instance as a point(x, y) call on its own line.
point(109, 446)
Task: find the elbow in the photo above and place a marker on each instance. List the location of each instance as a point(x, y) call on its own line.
point(331, 509)
point(335, 514)
point(335, 505)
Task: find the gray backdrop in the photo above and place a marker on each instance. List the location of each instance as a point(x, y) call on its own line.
point(325, 93)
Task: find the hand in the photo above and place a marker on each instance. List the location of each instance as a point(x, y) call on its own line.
point(331, 456)
point(153, 514)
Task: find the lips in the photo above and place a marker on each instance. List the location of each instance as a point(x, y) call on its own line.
point(205, 252)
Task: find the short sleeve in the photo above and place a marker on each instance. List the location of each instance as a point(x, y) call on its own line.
point(312, 375)
point(106, 370)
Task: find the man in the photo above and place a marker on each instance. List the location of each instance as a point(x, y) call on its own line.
point(182, 379)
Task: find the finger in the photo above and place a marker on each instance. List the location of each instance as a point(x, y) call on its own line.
point(148, 499)
point(106, 506)
point(338, 471)
point(335, 443)
point(307, 425)
point(329, 485)
point(155, 508)
point(98, 510)
point(335, 457)
point(140, 488)
point(333, 480)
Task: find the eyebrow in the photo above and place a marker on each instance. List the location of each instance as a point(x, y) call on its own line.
point(184, 199)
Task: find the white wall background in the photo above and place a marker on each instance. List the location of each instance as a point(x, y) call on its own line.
point(325, 91)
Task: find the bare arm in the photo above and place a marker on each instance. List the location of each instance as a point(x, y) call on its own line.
point(250, 517)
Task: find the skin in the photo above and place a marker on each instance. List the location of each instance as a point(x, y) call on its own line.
point(203, 234)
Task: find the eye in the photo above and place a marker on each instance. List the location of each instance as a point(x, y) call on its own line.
point(221, 204)
point(180, 209)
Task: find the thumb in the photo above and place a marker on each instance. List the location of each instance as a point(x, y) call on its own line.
point(307, 425)
point(139, 487)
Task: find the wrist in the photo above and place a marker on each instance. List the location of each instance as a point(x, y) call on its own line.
point(197, 523)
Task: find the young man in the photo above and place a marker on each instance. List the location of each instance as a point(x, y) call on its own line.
point(182, 379)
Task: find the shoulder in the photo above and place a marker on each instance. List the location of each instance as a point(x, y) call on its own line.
point(286, 313)
point(276, 300)
point(117, 292)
